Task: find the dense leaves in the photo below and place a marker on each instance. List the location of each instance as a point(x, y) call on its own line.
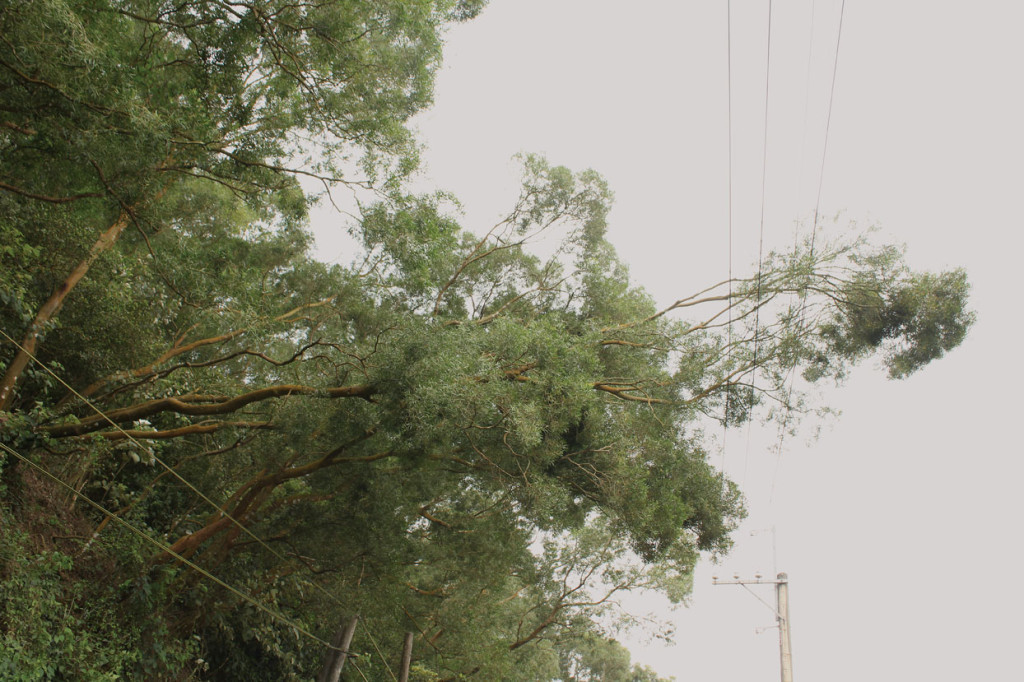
point(457, 436)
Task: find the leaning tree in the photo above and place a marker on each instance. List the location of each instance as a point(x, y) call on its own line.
point(456, 435)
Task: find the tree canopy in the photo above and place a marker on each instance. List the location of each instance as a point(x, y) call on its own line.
point(457, 435)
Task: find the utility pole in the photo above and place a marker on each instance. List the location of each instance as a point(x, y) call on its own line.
point(403, 674)
point(781, 611)
point(338, 652)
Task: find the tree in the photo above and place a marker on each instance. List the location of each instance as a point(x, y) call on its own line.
point(454, 436)
point(451, 400)
point(593, 658)
point(117, 113)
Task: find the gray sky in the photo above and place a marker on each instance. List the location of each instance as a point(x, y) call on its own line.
point(900, 527)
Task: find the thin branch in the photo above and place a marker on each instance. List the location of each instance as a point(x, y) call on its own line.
point(624, 392)
point(50, 199)
point(189, 430)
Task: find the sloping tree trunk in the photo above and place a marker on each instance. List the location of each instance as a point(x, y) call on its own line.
point(30, 341)
point(52, 306)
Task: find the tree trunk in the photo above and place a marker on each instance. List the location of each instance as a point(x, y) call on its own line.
point(53, 304)
point(52, 307)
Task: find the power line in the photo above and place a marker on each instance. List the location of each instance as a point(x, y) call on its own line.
point(760, 248)
point(167, 548)
point(764, 161)
point(728, 394)
point(174, 473)
point(782, 429)
point(383, 658)
point(142, 447)
point(358, 670)
point(828, 123)
point(814, 232)
point(807, 105)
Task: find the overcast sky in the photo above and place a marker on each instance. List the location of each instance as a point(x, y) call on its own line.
point(901, 526)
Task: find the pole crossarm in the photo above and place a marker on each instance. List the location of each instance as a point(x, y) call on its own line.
point(781, 611)
point(744, 584)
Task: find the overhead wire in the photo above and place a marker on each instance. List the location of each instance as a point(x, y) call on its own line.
point(828, 123)
point(276, 615)
point(760, 248)
point(360, 671)
point(807, 106)
point(383, 658)
point(728, 394)
point(814, 230)
point(142, 447)
point(180, 478)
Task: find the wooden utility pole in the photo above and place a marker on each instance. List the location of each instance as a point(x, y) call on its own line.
point(337, 655)
point(781, 611)
point(403, 675)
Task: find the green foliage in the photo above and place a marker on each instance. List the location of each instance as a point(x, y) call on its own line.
point(459, 436)
point(908, 318)
point(594, 658)
point(52, 631)
point(915, 319)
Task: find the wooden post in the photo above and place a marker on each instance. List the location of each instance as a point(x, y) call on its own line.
point(335, 659)
point(403, 676)
point(782, 613)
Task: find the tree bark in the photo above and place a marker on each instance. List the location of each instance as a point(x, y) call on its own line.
point(52, 306)
point(251, 496)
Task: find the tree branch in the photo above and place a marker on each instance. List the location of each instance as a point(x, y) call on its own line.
point(178, 349)
point(624, 391)
point(49, 199)
point(191, 429)
point(200, 406)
